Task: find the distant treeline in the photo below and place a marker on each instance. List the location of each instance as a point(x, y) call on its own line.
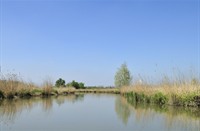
point(99, 87)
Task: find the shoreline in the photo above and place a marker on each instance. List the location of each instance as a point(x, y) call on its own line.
point(191, 99)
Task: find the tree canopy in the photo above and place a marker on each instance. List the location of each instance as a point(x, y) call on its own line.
point(76, 85)
point(60, 83)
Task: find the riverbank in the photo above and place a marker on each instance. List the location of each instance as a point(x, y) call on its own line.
point(12, 86)
point(26, 93)
point(176, 95)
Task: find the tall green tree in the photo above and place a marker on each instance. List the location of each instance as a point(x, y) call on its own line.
point(123, 76)
point(60, 83)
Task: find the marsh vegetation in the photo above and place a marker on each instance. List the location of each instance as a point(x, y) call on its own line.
point(178, 92)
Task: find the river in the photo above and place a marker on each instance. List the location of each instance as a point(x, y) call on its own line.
point(93, 112)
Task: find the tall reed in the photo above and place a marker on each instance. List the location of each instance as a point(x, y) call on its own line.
point(173, 92)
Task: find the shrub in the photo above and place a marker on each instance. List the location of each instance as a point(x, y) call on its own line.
point(23, 93)
point(76, 85)
point(1, 95)
point(186, 99)
point(60, 83)
point(10, 95)
point(159, 98)
point(81, 85)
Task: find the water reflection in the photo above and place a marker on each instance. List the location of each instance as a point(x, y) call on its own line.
point(11, 109)
point(175, 118)
point(122, 109)
point(130, 115)
point(69, 98)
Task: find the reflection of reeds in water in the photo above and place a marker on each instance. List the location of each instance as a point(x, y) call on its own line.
point(72, 98)
point(11, 109)
point(188, 119)
point(47, 104)
point(183, 118)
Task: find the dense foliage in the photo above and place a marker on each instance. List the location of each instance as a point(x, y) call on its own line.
point(76, 85)
point(60, 83)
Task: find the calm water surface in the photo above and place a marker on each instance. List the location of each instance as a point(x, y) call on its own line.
point(93, 112)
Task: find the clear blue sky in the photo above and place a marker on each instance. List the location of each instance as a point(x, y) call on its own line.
point(88, 40)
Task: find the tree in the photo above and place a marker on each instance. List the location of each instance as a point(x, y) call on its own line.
point(76, 85)
point(123, 76)
point(60, 83)
point(81, 85)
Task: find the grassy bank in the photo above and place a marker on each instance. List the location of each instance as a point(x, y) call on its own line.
point(13, 87)
point(183, 94)
point(45, 92)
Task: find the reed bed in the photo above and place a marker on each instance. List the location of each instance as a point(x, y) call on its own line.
point(12, 86)
point(178, 92)
point(183, 94)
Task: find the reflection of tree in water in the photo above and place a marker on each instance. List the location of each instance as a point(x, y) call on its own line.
point(122, 109)
point(183, 118)
point(79, 97)
point(11, 109)
point(69, 98)
point(60, 100)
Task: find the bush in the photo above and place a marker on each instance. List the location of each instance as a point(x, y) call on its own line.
point(81, 85)
point(60, 83)
point(24, 93)
point(76, 85)
point(10, 95)
point(185, 99)
point(1, 95)
point(36, 92)
point(160, 99)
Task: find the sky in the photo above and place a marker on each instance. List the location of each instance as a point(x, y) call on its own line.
point(88, 40)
